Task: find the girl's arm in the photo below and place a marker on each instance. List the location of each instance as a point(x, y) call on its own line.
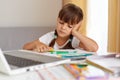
point(36, 45)
point(31, 45)
point(85, 42)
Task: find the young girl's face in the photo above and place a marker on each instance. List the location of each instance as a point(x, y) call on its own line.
point(63, 29)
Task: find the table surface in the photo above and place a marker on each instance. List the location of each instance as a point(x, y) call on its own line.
point(57, 73)
point(60, 73)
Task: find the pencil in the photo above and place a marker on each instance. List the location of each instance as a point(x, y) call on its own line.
point(76, 67)
point(73, 71)
point(62, 52)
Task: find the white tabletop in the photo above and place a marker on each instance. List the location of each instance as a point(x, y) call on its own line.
point(52, 73)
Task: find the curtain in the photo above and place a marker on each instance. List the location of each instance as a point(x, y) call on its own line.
point(82, 4)
point(118, 27)
point(114, 26)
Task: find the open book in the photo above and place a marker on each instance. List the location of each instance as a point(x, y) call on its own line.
point(109, 63)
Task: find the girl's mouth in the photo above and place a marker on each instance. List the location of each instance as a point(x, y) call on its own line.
point(62, 32)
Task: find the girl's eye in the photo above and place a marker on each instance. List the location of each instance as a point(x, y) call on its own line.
point(69, 26)
point(61, 22)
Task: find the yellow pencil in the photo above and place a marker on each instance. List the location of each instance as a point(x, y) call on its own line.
point(73, 71)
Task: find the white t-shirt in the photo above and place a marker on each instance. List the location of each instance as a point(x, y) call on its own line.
point(48, 37)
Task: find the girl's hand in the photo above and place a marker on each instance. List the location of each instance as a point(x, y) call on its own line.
point(76, 28)
point(41, 47)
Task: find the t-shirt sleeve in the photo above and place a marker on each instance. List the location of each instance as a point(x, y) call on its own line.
point(75, 42)
point(47, 38)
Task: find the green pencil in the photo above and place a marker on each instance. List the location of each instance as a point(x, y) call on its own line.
point(63, 52)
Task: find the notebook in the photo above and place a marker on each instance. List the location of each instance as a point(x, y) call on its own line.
point(19, 61)
point(109, 63)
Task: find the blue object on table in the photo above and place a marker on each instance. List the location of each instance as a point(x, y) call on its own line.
point(77, 55)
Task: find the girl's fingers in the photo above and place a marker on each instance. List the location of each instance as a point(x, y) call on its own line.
point(51, 49)
point(36, 50)
point(43, 49)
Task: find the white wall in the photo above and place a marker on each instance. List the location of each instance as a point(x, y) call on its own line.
point(97, 26)
point(21, 13)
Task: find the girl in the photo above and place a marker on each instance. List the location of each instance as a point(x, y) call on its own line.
point(66, 34)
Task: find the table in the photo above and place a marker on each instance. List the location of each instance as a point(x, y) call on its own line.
point(57, 73)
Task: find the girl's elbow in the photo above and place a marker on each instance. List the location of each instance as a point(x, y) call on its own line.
point(24, 47)
point(95, 48)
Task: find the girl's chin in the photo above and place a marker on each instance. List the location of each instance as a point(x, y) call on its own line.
point(62, 36)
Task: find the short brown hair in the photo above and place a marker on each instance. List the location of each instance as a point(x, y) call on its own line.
point(70, 13)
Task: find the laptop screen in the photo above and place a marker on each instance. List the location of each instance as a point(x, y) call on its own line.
point(20, 62)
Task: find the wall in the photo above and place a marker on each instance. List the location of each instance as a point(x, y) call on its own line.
point(21, 13)
point(15, 37)
point(22, 21)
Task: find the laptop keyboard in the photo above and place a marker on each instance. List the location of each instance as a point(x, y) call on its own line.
point(20, 62)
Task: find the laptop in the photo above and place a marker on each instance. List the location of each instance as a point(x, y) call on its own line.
point(19, 61)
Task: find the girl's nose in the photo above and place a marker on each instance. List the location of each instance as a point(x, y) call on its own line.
point(64, 26)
